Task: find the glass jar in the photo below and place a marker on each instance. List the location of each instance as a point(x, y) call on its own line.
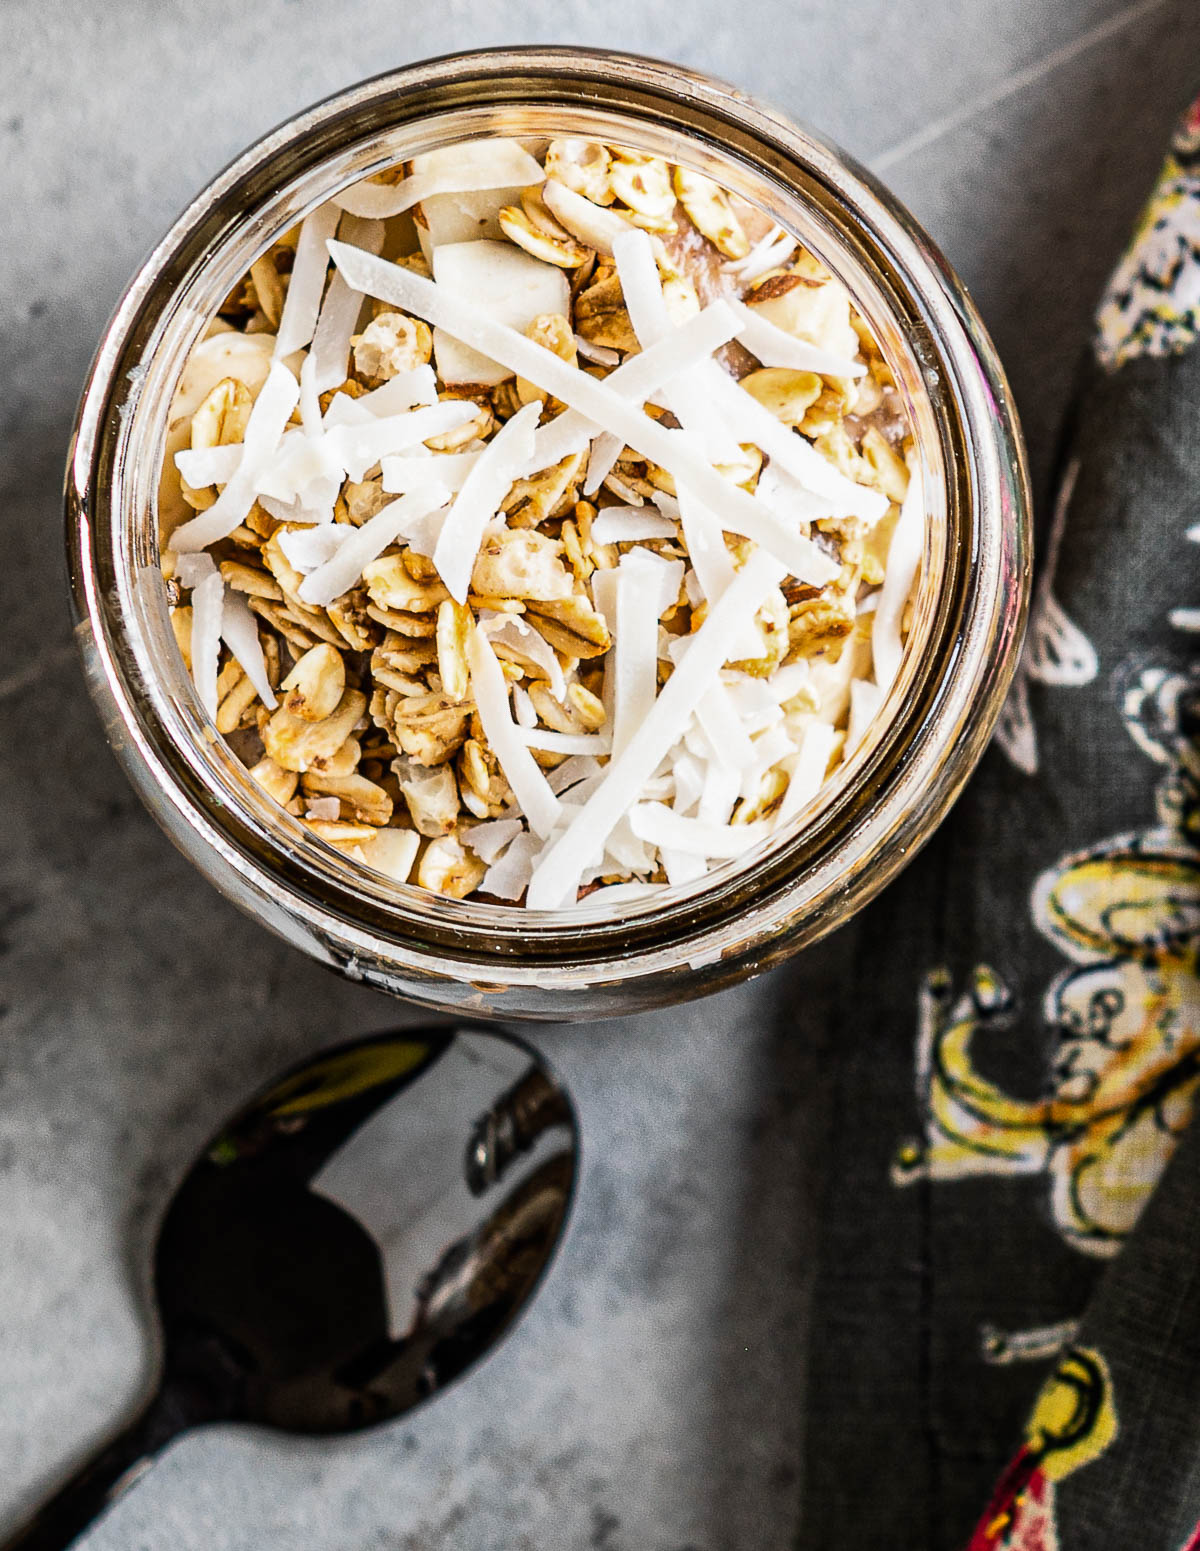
point(870, 817)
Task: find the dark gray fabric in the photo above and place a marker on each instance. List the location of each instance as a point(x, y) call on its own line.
point(912, 1420)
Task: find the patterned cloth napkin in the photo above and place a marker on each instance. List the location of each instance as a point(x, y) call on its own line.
point(1007, 1329)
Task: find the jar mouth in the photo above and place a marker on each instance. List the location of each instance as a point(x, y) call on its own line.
point(962, 647)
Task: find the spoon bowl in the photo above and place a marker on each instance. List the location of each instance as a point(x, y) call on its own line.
point(353, 1240)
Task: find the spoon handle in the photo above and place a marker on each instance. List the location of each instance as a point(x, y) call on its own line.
point(102, 1479)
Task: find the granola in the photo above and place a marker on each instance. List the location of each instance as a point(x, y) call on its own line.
point(564, 554)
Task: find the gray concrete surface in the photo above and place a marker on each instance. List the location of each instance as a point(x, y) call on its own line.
point(653, 1399)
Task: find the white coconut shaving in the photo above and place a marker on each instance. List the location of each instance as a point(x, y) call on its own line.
point(336, 321)
point(488, 840)
point(630, 525)
point(522, 642)
point(272, 410)
point(599, 355)
point(479, 499)
point(204, 466)
point(465, 168)
point(560, 866)
point(641, 287)
point(522, 772)
point(508, 878)
point(360, 447)
point(769, 253)
point(208, 607)
point(239, 631)
point(775, 347)
point(903, 562)
point(402, 473)
point(660, 826)
point(302, 304)
point(309, 548)
point(343, 569)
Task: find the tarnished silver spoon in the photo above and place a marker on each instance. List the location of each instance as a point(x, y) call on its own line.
point(351, 1242)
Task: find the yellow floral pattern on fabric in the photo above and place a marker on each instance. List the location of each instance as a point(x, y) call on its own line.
point(1152, 304)
point(1126, 1071)
point(1073, 1422)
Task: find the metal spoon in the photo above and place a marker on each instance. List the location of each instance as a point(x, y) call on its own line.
point(352, 1241)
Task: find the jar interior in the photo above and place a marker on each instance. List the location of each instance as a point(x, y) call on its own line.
point(199, 288)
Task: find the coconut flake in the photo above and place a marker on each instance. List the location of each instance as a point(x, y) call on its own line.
point(691, 343)
point(564, 742)
point(596, 401)
point(208, 607)
point(602, 459)
point(769, 253)
point(561, 864)
point(865, 700)
point(509, 877)
point(600, 228)
point(527, 644)
point(900, 572)
point(406, 390)
point(204, 466)
point(505, 284)
point(367, 543)
point(489, 839)
point(323, 808)
point(657, 824)
point(567, 776)
point(330, 351)
point(360, 447)
point(807, 775)
point(751, 421)
point(402, 474)
point(239, 630)
point(599, 355)
point(635, 654)
point(723, 728)
point(303, 300)
point(520, 769)
point(310, 407)
point(524, 710)
point(775, 347)
point(467, 168)
point(627, 525)
point(641, 286)
point(271, 412)
point(721, 788)
point(309, 548)
point(479, 500)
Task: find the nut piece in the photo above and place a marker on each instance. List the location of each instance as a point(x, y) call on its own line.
point(454, 625)
point(786, 392)
point(601, 316)
point(392, 343)
point(360, 799)
point(316, 684)
point(582, 166)
point(644, 184)
point(298, 745)
point(275, 780)
point(553, 332)
point(431, 795)
point(221, 419)
point(709, 211)
point(431, 727)
point(391, 852)
point(532, 227)
point(391, 585)
point(521, 564)
point(448, 868)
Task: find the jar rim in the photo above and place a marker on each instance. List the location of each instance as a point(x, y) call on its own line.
point(891, 794)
